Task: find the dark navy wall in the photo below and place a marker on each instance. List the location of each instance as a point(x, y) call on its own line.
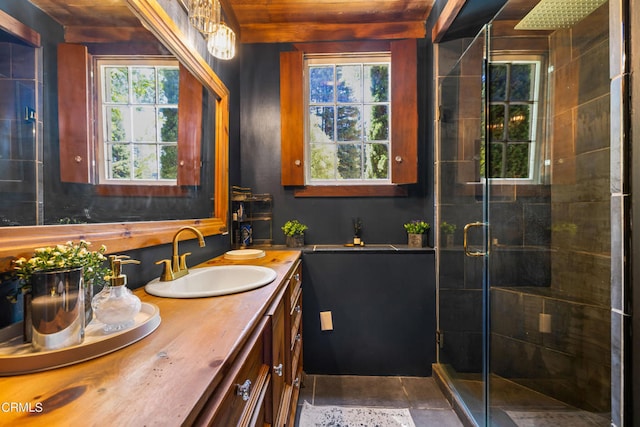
point(329, 219)
point(383, 311)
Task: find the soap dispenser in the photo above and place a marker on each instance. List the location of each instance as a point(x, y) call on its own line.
point(115, 305)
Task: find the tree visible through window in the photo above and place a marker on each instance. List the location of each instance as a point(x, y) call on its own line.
point(348, 125)
point(513, 110)
point(139, 103)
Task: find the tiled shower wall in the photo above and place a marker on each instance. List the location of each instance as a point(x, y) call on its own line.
point(554, 257)
point(572, 362)
point(20, 128)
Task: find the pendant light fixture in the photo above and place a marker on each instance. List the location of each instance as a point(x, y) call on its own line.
point(204, 15)
point(222, 42)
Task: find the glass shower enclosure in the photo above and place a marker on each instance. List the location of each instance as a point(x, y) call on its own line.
point(523, 172)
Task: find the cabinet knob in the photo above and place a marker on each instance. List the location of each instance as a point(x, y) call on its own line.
point(244, 390)
point(298, 337)
point(298, 309)
point(296, 276)
point(296, 382)
point(278, 370)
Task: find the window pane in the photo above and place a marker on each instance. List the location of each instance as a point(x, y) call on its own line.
point(143, 82)
point(349, 124)
point(517, 161)
point(117, 124)
point(376, 122)
point(168, 85)
point(496, 155)
point(116, 85)
point(376, 83)
point(321, 124)
point(144, 124)
point(323, 161)
point(169, 162)
point(321, 84)
point(119, 160)
point(497, 82)
point(145, 162)
point(348, 127)
point(521, 77)
point(519, 122)
point(496, 122)
point(349, 79)
point(168, 121)
point(349, 161)
point(376, 161)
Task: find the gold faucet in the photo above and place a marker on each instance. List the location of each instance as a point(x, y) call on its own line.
point(177, 266)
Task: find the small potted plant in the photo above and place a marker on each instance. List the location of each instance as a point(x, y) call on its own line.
point(294, 231)
point(448, 230)
point(416, 231)
point(64, 258)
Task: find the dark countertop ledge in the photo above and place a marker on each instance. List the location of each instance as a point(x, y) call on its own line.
point(378, 248)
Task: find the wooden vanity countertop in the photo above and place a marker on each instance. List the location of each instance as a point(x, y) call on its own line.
point(163, 379)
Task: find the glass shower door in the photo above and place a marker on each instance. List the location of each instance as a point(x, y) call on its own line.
point(462, 204)
point(549, 266)
point(523, 173)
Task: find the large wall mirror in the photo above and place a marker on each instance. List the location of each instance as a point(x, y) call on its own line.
point(53, 165)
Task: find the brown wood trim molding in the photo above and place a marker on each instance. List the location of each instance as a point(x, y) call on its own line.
point(341, 47)
point(315, 31)
point(351, 191)
point(446, 18)
point(117, 237)
point(141, 190)
point(16, 28)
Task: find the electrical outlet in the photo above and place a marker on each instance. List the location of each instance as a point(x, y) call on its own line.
point(544, 323)
point(326, 321)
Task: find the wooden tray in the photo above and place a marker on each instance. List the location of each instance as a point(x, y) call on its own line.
point(240, 254)
point(17, 357)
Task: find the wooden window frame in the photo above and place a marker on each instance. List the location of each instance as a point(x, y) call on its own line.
point(404, 118)
point(77, 147)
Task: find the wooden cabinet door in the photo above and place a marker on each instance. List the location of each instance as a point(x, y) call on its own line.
point(278, 349)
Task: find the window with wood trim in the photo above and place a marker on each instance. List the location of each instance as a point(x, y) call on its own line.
point(137, 121)
point(82, 160)
point(297, 144)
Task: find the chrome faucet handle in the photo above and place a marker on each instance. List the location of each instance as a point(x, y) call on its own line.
point(167, 274)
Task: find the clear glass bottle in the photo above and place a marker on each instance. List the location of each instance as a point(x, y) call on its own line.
point(115, 305)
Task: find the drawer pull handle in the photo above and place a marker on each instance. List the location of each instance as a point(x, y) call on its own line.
point(278, 370)
point(296, 382)
point(298, 337)
point(244, 390)
point(298, 309)
point(296, 276)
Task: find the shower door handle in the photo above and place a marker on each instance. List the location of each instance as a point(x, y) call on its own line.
point(466, 243)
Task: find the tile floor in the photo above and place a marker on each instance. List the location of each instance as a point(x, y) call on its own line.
point(422, 396)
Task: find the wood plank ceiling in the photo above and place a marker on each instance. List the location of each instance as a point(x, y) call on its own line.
point(262, 21)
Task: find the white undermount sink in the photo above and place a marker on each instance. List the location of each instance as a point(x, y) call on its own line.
point(213, 281)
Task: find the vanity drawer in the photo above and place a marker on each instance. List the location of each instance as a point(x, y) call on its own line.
point(240, 397)
point(295, 392)
point(296, 319)
point(295, 282)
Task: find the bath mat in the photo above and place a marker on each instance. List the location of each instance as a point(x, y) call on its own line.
point(565, 418)
point(344, 416)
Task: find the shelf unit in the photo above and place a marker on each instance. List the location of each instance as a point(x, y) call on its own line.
point(255, 211)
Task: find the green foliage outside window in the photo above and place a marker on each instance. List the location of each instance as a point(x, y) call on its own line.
point(348, 122)
point(511, 120)
point(145, 147)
